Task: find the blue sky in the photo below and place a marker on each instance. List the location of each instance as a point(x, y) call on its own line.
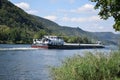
point(73, 13)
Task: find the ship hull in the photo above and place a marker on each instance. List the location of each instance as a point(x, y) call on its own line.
point(85, 46)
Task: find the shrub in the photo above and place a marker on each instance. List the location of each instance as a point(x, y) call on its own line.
point(98, 66)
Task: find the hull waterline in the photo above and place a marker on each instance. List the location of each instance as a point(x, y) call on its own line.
point(68, 46)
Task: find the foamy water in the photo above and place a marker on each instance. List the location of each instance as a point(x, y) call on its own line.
point(20, 48)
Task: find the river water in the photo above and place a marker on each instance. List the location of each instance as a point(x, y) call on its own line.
point(21, 62)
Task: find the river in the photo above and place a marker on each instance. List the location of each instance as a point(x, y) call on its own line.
point(21, 62)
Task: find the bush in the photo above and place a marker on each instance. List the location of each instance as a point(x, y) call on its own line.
point(98, 66)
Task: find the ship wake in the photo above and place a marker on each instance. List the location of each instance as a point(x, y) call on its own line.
point(20, 48)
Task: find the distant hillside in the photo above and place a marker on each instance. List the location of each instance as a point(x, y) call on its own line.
point(17, 26)
point(108, 37)
point(55, 28)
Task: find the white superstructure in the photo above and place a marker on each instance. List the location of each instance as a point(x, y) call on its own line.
point(49, 40)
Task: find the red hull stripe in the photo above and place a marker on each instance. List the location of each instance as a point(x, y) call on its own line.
point(39, 46)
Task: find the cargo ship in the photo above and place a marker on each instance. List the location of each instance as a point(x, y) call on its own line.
point(55, 42)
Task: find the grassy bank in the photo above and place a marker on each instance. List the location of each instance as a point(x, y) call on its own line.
point(98, 66)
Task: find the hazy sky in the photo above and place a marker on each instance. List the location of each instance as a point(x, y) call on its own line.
point(73, 13)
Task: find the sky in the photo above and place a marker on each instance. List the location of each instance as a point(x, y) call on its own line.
point(72, 13)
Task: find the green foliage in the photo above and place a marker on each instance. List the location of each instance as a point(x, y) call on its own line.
point(77, 39)
point(13, 16)
point(14, 35)
point(97, 66)
point(109, 8)
point(4, 32)
point(40, 34)
point(16, 26)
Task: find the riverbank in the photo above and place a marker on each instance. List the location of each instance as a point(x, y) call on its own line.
point(90, 66)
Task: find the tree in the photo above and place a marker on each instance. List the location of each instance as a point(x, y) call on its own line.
point(15, 35)
point(109, 8)
point(40, 34)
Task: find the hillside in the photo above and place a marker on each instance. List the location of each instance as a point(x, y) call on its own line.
point(108, 37)
point(17, 26)
point(13, 16)
point(55, 28)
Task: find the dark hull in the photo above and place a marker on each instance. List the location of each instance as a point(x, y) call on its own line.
point(68, 46)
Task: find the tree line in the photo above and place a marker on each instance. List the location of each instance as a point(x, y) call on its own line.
point(24, 35)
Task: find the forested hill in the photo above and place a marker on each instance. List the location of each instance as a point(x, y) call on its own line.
point(17, 26)
point(12, 16)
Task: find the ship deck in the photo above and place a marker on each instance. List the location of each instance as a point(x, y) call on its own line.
point(69, 46)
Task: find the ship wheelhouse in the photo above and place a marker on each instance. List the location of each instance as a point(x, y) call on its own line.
point(54, 40)
point(49, 40)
